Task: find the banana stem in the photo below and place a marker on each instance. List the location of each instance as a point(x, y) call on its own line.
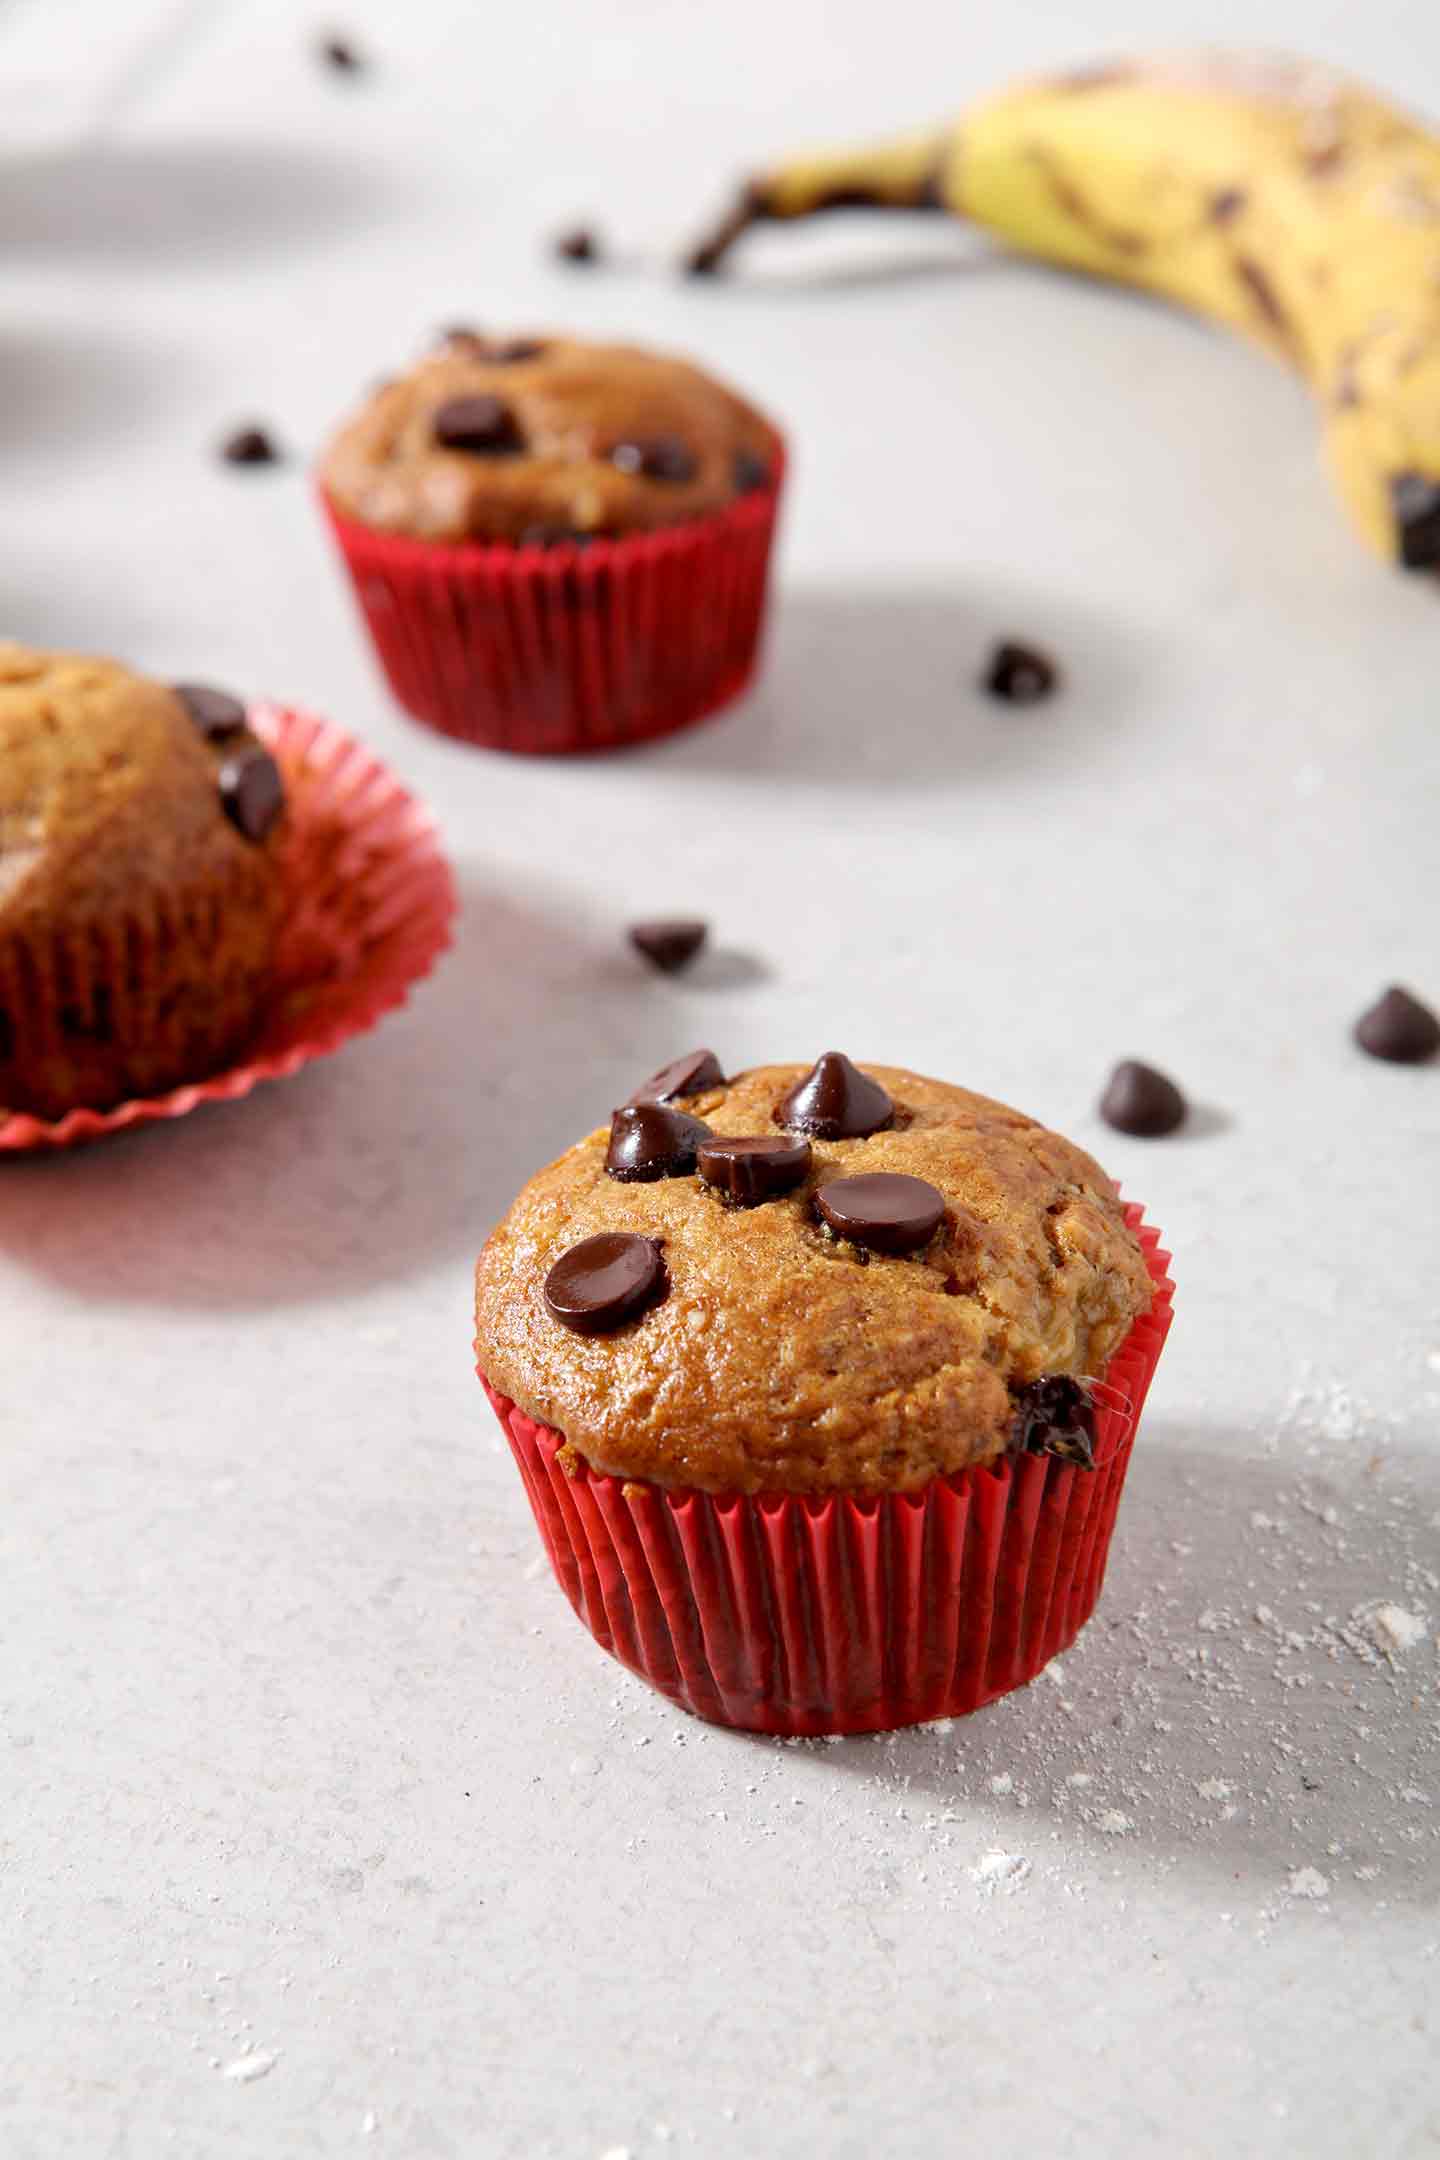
point(898, 175)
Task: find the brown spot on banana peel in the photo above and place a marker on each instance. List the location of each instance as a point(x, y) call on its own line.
point(1267, 300)
point(1120, 239)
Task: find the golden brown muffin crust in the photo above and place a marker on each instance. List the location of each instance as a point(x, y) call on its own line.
point(782, 1360)
point(572, 405)
point(137, 923)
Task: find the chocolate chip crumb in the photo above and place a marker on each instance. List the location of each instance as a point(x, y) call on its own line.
point(250, 446)
point(1020, 674)
point(1054, 1416)
point(668, 945)
point(1399, 1029)
point(1140, 1100)
point(581, 244)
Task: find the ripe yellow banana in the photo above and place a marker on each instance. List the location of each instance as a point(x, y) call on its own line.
point(1292, 204)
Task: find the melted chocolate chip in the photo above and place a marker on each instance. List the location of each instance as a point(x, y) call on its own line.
point(649, 1141)
point(1054, 1416)
point(579, 245)
point(883, 1210)
point(252, 792)
point(517, 349)
point(1140, 1100)
point(465, 334)
point(250, 446)
point(693, 1074)
point(481, 424)
point(1415, 499)
point(1019, 674)
point(746, 1172)
point(835, 1101)
point(1399, 1029)
point(750, 472)
point(1227, 203)
point(657, 457)
point(668, 945)
point(604, 1281)
point(214, 712)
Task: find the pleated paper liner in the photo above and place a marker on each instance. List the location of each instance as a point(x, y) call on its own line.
point(567, 649)
point(789, 1614)
point(369, 902)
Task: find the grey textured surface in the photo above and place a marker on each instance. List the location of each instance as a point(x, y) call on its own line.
point(323, 1827)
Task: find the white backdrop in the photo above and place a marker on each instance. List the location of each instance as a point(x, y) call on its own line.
point(311, 1777)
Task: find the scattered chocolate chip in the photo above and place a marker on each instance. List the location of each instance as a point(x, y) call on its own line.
point(883, 1210)
point(517, 349)
point(1054, 1416)
point(579, 245)
point(214, 712)
point(481, 424)
point(1019, 674)
point(835, 1101)
point(252, 791)
point(604, 1281)
point(1139, 1100)
point(250, 446)
point(1415, 499)
point(342, 54)
point(668, 945)
point(745, 1172)
point(649, 1141)
point(657, 457)
point(750, 472)
point(1399, 1028)
point(693, 1074)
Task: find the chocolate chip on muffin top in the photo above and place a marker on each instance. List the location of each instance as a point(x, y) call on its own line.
point(541, 440)
point(861, 1309)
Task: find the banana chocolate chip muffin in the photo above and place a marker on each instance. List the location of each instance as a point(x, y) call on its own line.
point(139, 883)
point(822, 1384)
point(558, 545)
point(807, 1282)
point(541, 440)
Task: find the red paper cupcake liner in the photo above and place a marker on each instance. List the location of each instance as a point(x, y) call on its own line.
point(369, 902)
point(563, 649)
point(791, 1614)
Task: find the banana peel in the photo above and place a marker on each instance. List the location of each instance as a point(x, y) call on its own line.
point(1293, 205)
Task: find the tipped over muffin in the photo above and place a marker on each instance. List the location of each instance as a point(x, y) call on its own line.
point(139, 883)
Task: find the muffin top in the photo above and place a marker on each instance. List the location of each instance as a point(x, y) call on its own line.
point(905, 1279)
point(541, 440)
point(107, 778)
